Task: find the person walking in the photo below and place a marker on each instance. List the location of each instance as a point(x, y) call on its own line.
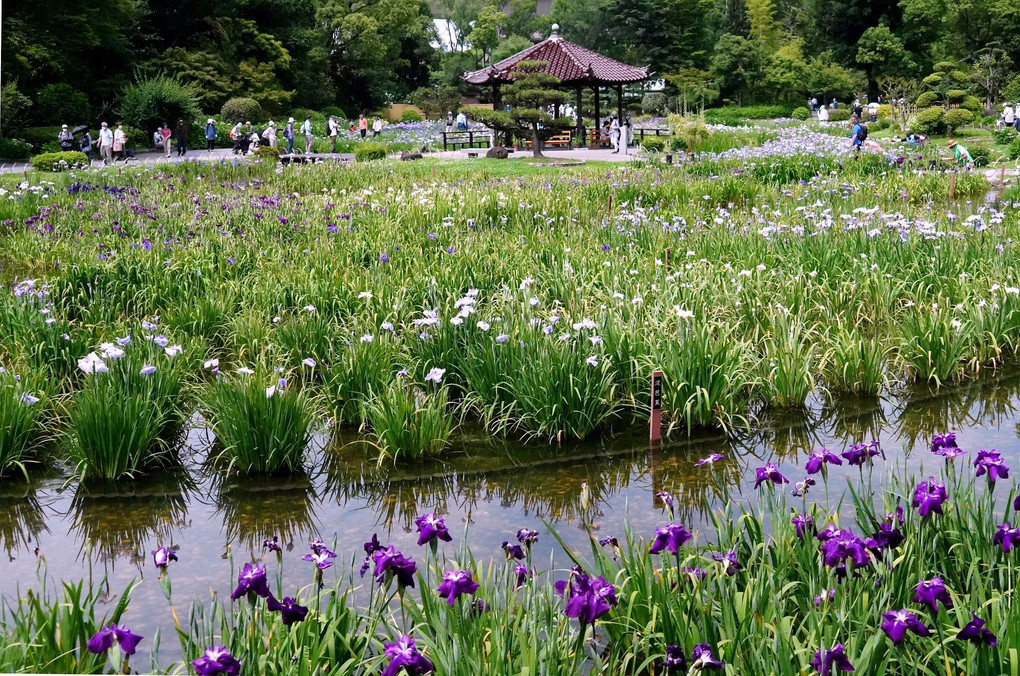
point(210, 134)
point(167, 134)
point(290, 135)
point(235, 136)
point(306, 129)
point(119, 142)
point(1008, 115)
point(614, 134)
point(376, 126)
point(449, 121)
point(85, 144)
point(65, 139)
point(363, 125)
point(106, 143)
point(873, 111)
point(823, 116)
point(182, 138)
point(334, 132)
point(461, 121)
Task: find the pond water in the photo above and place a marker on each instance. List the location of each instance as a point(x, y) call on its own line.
point(64, 531)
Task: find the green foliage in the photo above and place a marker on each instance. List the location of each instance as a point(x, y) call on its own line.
point(410, 115)
point(267, 153)
point(974, 105)
point(980, 154)
point(14, 149)
point(1014, 149)
point(437, 101)
point(801, 113)
point(60, 161)
point(655, 144)
point(241, 110)
point(955, 96)
point(653, 103)
point(20, 421)
point(840, 114)
point(61, 104)
point(368, 151)
point(301, 114)
point(1006, 136)
point(713, 115)
point(1011, 92)
point(261, 426)
point(928, 99)
point(929, 121)
point(409, 423)
point(692, 130)
point(150, 102)
point(15, 107)
point(956, 118)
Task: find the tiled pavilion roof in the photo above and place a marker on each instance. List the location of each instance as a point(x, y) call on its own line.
point(572, 64)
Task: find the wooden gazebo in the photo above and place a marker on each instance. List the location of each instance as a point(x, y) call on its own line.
point(575, 66)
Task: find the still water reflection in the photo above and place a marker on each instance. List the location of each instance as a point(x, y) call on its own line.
point(70, 531)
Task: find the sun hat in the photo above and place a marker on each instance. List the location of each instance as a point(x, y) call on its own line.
point(210, 121)
point(63, 126)
point(952, 144)
point(290, 120)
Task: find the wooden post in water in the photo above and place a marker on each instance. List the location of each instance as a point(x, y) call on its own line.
point(655, 421)
point(952, 186)
point(668, 252)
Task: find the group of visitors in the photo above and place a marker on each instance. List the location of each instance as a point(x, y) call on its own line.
point(1011, 115)
point(164, 137)
point(617, 132)
point(112, 143)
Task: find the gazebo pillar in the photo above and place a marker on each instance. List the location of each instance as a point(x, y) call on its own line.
point(598, 107)
point(580, 119)
point(619, 118)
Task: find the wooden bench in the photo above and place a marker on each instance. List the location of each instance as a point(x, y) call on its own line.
point(563, 139)
point(465, 139)
point(596, 139)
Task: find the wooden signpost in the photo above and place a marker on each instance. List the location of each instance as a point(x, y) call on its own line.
point(655, 422)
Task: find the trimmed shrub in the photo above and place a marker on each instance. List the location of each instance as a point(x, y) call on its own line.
point(368, 151)
point(61, 104)
point(840, 115)
point(1014, 150)
point(801, 113)
point(929, 121)
point(927, 99)
point(410, 116)
point(654, 144)
point(945, 67)
point(333, 110)
point(1005, 136)
point(150, 102)
point(877, 126)
point(884, 111)
point(956, 95)
point(14, 149)
point(241, 110)
point(933, 80)
point(957, 118)
point(266, 152)
point(299, 114)
point(981, 155)
point(974, 105)
point(653, 103)
point(59, 161)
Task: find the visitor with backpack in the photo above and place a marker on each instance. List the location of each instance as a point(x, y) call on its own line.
point(65, 138)
point(85, 144)
point(858, 133)
point(288, 133)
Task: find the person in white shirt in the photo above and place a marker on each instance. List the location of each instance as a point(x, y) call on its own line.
point(614, 134)
point(823, 115)
point(106, 143)
point(1008, 115)
point(119, 141)
point(334, 131)
point(873, 111)
point(306, 129)
point(376, 127)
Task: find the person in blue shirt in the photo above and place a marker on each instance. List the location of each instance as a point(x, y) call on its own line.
point(857, 133)
point(210, 133)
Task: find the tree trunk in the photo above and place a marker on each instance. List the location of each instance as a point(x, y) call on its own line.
point(536, 143)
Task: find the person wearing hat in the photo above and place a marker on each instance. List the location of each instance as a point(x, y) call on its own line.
point(306, 129)
point(960, 155)
point(1008, 115)
point(119, 143)
point(210, 134)
point(269, 134)
point(66, 138)
point(105, 143)
point(288, 133)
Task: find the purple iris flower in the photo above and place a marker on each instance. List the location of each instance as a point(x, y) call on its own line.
point(992, 463)
point(819, 457)
point(667, 499)
point(404, 656)
point(675, 662)
point(587, 598)
point(695, 573)
point(163, 556)
point(384, 258)
point(929, 496)
point(802, 522)
point(896, 623)
point(930, 592)
point(886, 537)
point(455, 583)
point(371, 547)
point(825, 595)
point(672, 537)
point(976, 632)
point(1006, 537)
point(512, 551)
point(858, 454)
point(527, 537)
point(251, 579)
point(845, 545)
point(730, 559)
point(319, 547)
point(610, 540)
point(835, 657)
point(390, 563)
point(710, 459)
point(941, 442)
point(702, 658)
point(769, 473)
point(217, 660)
point(801, 487)
point(1016, 504)
point(320, 558)
point(110, 634)
point(430, 528)
point(272, 544)
point(290, 611)
point(522, 575)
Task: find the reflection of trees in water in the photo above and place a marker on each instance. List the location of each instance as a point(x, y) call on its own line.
point(695, 489)
point(851, 420)
point(254, 509)
point(22, 518)
point(115, 520)
point(782, 434)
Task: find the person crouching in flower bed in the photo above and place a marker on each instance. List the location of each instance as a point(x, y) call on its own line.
point(961, 156)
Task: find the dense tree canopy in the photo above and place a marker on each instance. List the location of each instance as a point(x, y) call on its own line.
point(75, 60)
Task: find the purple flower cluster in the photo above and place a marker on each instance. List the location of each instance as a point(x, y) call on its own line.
point(991, 462)
point(217, 660)
point(929, 496)
point(456, 583)
point(670, 537)
point(587, 598)
point(431, 528)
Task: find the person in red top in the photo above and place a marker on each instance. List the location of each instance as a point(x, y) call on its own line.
point(166, 138)
point(363, 125)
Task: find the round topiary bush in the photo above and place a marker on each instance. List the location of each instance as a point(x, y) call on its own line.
point(653, 103)
point(653, 144)
point(839, 115)
point(60, 161)
point(801, 113)
point(333, 111)
point(267, 152)
point(300, 114)
point(957, 118)
point(410, 116)
point(933, 80)
point(241, 110)
point(974, 105)
point(1014, 149)
point(927, 99)
point(929, 121)
point(956, 95)
point(368, 151)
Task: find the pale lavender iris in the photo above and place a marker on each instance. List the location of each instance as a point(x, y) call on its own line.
point(162, 557)
point(710, 459)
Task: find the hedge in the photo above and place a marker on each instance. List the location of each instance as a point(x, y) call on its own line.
point(713, 115)
point(655, 144)
point(14, 149)
point(59, 161)
point(368, 151)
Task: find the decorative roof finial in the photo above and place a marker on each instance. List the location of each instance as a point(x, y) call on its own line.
point(555, 32)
